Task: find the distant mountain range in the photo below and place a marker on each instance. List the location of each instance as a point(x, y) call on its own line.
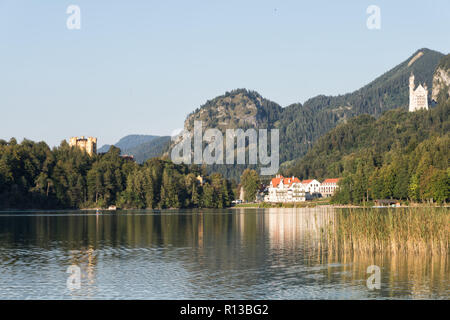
point(142, 147)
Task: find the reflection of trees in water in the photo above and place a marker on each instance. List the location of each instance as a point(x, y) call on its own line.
point(289, 227)
point(400, 230)
point(243, 246)
point(293, 234)
point(346, 254)
point(86, 259)
point(419, 275)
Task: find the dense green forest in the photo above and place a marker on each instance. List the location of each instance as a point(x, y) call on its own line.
point(401, 155)
point(301, 125)
point(378, 153)
point(34, 176)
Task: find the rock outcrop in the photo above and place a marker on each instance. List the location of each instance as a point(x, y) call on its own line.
point(441, 78)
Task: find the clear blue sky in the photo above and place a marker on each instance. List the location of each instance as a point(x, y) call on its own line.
point(142, 66)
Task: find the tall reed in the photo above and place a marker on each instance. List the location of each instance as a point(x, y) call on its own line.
point(394, 230)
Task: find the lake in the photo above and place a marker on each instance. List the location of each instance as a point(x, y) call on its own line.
point(202, 254)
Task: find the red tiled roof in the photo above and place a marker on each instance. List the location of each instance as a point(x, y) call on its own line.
point(290, 181)
point(276, 181)
point(286, 181)
point(331, 180)
point(306, 181)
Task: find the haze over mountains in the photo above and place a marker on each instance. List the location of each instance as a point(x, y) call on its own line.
point(300, 125)
point(142, 147)
point(128, 142)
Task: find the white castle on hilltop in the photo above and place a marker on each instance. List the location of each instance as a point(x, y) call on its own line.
point(418, 98)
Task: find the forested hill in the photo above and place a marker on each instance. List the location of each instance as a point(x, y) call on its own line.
point(239, 108)
point(151, 149)
point(32, 176)
point(401, 155)
point(441, 79)
point(301, 125)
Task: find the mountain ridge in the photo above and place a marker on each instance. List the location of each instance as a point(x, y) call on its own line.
point(129, 141)
point(400, 155)
point(142, 147)
point(300, 124)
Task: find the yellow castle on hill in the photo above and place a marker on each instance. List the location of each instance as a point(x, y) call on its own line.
point(87, 144)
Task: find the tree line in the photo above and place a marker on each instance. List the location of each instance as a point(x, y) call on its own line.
point(34, 176)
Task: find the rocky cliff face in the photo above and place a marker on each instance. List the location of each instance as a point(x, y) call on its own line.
point(236, 109)
point(441, 80)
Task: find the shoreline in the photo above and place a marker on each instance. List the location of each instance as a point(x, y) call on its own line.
point(343, 206)
point(247, 206)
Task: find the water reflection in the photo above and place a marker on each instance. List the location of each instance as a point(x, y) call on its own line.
point(236, 254)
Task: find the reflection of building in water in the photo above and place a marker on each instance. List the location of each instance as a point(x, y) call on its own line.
point(292, 226)
point(86, 260)
point(200, 230)
point(90, 267)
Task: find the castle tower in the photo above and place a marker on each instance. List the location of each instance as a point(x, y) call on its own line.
point(418, 98)
point(412, 101)
point(91, 146)
point(73, 141)
point(87, 144)
point(411, 82)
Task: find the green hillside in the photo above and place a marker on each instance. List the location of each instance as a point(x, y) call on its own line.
point(239, 108)
point(33, 176)
point(301, 125)
point(401, 155)
point(445, 62)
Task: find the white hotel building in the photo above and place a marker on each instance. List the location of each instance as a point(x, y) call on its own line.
point(291, 189)
point(328, 187)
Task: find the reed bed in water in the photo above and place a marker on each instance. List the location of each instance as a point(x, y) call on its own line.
point(393, 229)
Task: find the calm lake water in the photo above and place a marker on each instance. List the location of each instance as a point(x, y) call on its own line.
point(201, 254)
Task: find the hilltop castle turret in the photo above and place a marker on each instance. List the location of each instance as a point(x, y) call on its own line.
point(87, 144)
point(418, 97)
